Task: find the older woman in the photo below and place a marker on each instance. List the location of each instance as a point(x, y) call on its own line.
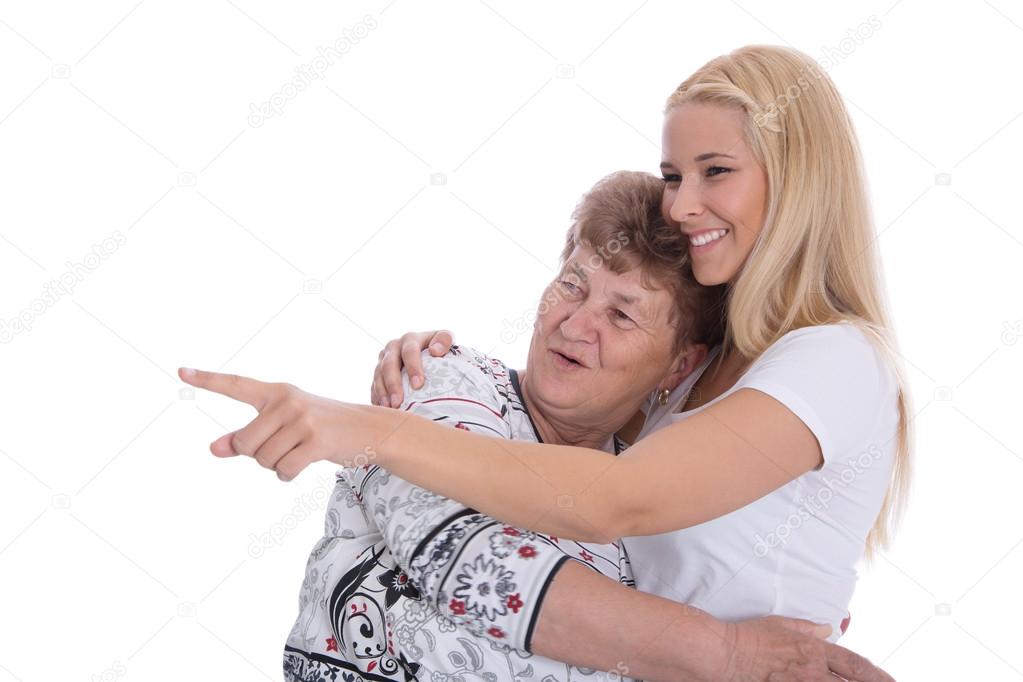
point(623, 318)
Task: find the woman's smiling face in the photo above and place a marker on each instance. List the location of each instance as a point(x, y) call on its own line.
point(714, 188)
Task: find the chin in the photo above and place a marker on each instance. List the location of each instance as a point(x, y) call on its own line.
point(713, 276)
point(709, 278)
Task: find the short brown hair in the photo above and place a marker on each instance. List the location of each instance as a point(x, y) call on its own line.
point(620, 217)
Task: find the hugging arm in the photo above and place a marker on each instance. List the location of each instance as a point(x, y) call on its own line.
point(562, 609)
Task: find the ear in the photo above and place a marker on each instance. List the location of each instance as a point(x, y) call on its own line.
point(688, 360)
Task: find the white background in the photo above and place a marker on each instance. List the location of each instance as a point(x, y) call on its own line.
point(291, 250)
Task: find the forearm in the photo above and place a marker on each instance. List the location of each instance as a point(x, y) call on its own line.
point(591, 621)
point(559, 490)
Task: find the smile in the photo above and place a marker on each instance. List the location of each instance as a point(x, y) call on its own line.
point(705, 238)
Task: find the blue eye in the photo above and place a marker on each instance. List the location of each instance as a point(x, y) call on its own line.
point(671, 177)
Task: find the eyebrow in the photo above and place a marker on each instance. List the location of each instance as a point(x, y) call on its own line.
point(701, 157)
point(711, 155)
point(617, 296)
point(624, 298)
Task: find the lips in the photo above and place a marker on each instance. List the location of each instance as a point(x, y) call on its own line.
point(568, 356)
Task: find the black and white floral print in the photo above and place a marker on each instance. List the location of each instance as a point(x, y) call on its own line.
point(409, 585)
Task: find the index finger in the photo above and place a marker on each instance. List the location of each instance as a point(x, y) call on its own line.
point(234, 386)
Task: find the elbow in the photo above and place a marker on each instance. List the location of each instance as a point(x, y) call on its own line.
point(601, 523)
point(606, 510)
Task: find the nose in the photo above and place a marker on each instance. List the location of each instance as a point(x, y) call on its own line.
point(579, 325)
point(688, 200)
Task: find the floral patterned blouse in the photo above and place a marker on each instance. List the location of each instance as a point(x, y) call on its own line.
point(409, 585)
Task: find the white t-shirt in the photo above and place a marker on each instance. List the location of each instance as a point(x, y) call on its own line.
point(793, 552)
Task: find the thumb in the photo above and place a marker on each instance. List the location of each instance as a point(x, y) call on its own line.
point(222, 446)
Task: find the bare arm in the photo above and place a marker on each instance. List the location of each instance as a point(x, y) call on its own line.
point(590, 620)
point(718, 460)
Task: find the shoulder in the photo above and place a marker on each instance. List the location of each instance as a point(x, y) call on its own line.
point(836, 378)
point(465, 363)
point(847, 335)
point(840, 350)
point(462, 373)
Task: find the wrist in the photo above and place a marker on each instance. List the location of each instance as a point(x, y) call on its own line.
point(360, 432)
point(704, 646)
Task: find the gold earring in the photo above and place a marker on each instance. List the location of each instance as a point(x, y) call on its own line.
point(662, 396)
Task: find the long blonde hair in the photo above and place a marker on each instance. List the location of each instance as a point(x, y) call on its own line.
point(815, 260)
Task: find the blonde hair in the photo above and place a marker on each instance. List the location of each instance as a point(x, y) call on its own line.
point(815, 259)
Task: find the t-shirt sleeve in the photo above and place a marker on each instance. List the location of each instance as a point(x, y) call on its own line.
point(833, 378)
point(480, 574)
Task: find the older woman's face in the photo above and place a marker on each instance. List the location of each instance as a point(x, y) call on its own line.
point(601, 339)
point(714, 187)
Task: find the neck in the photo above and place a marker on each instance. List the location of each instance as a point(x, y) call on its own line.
point(557, 428)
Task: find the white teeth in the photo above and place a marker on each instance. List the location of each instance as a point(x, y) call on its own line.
point(707, 237)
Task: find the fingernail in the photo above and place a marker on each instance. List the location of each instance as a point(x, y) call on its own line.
point(437, 348)
point(394, 400)
point(417, 381)
point(188, 371)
